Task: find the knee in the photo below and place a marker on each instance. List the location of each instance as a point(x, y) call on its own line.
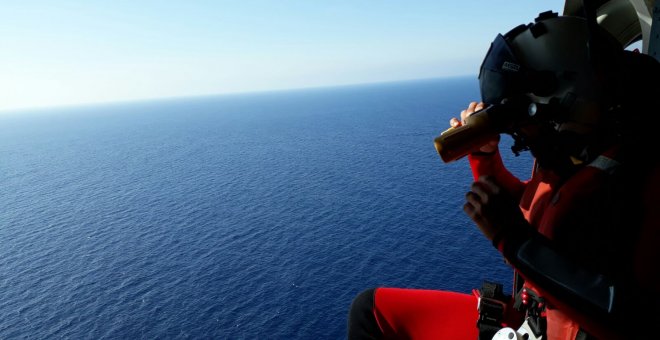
point(362, 323)
point(363, 302)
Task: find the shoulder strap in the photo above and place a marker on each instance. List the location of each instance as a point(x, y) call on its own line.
point(606, 164)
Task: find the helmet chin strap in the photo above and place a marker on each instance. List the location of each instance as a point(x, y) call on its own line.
point(558, 156)
point(562, 152)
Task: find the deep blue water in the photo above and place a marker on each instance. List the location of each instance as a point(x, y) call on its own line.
point(232, 217)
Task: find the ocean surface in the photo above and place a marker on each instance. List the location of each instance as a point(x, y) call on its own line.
point(252, 216)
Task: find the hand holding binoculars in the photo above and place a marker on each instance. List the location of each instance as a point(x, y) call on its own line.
point(480, 128)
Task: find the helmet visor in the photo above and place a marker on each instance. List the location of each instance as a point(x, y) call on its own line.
point(501, 75)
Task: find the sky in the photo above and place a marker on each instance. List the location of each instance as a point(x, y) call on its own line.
point(55, 53)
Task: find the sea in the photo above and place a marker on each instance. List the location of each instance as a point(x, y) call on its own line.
point(245, 216)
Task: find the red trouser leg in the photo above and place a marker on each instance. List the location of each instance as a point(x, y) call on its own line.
point(426, 314)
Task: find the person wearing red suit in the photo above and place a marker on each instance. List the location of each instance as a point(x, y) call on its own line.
point(583, 233)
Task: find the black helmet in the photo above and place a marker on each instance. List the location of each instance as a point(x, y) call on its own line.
point(559, 63)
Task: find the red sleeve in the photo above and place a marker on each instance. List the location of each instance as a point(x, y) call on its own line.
point(637, 297)
point(492, 165)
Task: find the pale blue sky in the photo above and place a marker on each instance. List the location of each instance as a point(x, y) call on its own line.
point(72, 52)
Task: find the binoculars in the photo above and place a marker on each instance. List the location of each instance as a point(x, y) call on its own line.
point(485, 125)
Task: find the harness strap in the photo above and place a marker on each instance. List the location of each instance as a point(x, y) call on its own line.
point(492, 303)
point(606, 164)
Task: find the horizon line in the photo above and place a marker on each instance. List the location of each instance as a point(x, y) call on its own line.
point(25, 109)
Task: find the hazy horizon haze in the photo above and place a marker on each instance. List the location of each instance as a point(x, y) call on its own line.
point(76, 52)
